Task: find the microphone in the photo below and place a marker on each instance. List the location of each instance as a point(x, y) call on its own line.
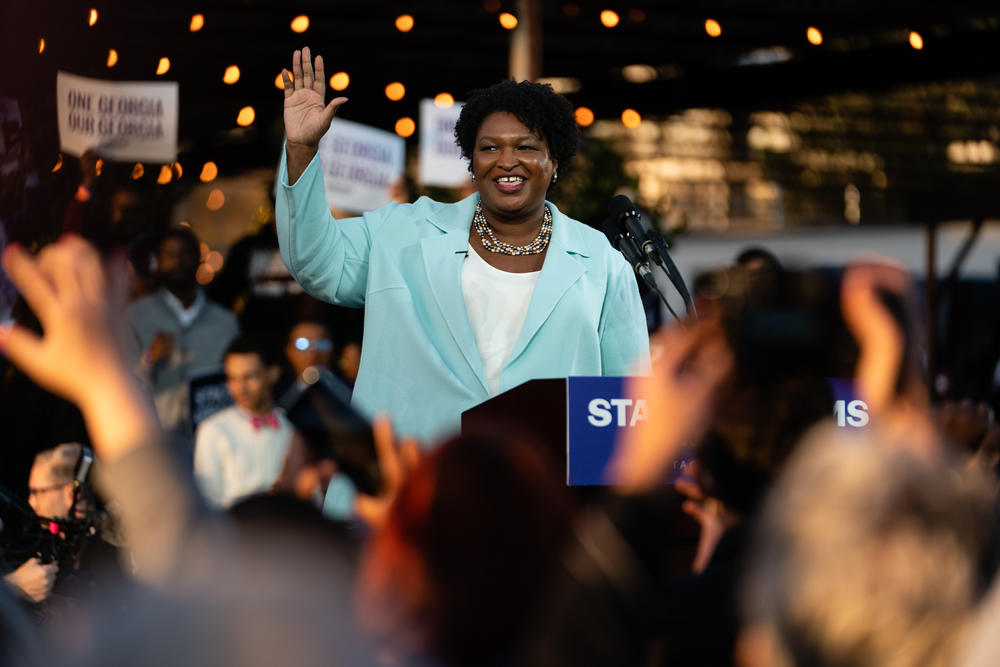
point(626, 245)
point(649, 242)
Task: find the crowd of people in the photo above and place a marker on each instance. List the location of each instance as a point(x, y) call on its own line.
point(787, 538)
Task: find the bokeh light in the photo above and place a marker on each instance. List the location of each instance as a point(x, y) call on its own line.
point(204, 275)
point(112, 57)
point(584, 116)
point(58, 164)
point(631, 118)
point(215, 200)
point(209, 172)
point(405, 127)
point(404, 23)
point(197, 23)
point(163, 66)
point(444, 100)
point(232, 75)
point(508, 21)
point(395, 91)
point(93, 17)
point(713, 28)
point(339, 81)
point(609, 18)
point(41, 44)
point(166, 175)
point(246, 116)
point(916, 41)
point(137, 171)
point(300, 23)
point(814, 36)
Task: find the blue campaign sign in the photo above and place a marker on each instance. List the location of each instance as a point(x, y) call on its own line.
point(848, 409)
point(598, 410)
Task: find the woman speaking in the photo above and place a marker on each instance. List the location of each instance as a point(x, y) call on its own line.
point(467, 300)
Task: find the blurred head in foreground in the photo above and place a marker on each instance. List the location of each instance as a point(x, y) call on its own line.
point(868, 555)
point(466, 553)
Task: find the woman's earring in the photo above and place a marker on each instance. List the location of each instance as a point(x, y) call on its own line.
point(555, 177)
point(473, 178)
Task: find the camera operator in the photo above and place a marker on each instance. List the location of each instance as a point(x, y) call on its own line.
point(69, 554)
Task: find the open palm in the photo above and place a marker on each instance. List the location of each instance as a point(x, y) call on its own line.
point(306, 117)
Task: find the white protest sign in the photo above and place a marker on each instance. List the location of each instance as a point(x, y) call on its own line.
point(131, 120)
point(360, 163)
point(441, 161)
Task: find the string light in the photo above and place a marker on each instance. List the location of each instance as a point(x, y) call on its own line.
point(163, 67)
point(232, 75)
point(300, 23)
point(508, 21)
point(246, 116)
point(279, 83)
point(137, 171)
point(178, 171)
point(41, 45)
point(631, 118)
point(216, 200)
point(404, 23)
point(814, 36)
point(609, 18)
point(713, 28)
point(444, 100)
point(197, 23)
point(93, 17)
point(112, 57)
point(584, 116)
point(916, 41)
point(395, 91)
point(340, 81)
point(405, 127)
point(58, 164)
point(208, 172)
point(166, 175)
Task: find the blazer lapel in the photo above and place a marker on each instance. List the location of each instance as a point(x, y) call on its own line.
point(560, 270)
point(444, 275)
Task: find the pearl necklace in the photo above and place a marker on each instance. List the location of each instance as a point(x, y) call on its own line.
point(493, 244)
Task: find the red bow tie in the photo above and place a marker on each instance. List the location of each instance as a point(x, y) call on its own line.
point(257, 421)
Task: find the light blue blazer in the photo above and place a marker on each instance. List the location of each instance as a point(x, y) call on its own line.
point(403, 263)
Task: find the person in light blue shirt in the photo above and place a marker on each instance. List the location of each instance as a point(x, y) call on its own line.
point(466, 300)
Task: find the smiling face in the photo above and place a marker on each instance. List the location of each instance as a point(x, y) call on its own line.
point(513, 169)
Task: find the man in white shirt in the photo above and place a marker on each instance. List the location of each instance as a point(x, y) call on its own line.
point(240, 450)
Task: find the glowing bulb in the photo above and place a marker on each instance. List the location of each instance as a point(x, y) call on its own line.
point(631, 118)
point(197, 23)
point(215, 200)
point(112, 57)
point(178, 171)
point(41, 45)
point(404, 23)
point(165, 175)
point(508, 21)
point(58, 164)
point(916, 41)
point(405, 127)
point(300, 23)
point(279, 83)
point(137, 171)
point(340, 81)
point(246, 116)
point(713, 28)
point(163, 67)
point(395, 91)
point(814, 36)
point(584, 116)
point(93, 17)
point(444, 100)
point(232, 75)
point(609, 19)
point(99, 166)
point(209, 172)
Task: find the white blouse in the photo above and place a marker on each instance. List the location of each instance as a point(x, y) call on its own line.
point(497, 303)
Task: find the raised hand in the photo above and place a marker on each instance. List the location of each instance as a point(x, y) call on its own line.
point(34, 579)
point(306, 117)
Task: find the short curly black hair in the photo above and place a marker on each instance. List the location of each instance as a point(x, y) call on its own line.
point(541, 109)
